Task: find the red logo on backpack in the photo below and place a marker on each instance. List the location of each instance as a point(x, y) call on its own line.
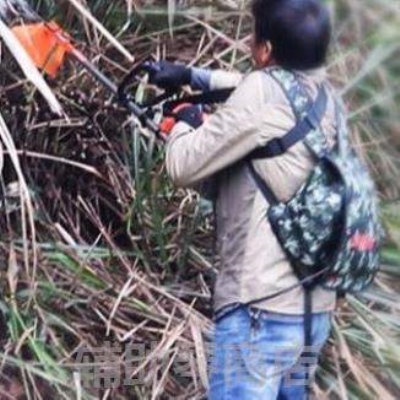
point(362, 242)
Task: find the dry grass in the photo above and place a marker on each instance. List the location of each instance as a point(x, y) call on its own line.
point(123, 257)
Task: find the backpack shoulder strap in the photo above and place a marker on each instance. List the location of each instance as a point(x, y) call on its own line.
point(342, 144)
point(308, 113)
point(293, 89)
point(261, 184)
point(309, 122)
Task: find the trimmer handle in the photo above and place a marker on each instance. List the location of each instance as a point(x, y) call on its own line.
point(132, 76)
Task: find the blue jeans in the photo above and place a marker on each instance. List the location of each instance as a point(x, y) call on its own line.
point(258, 355)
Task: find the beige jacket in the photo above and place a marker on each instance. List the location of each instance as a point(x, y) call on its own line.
point(252, 263)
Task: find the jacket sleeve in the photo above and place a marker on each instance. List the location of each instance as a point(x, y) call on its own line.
point(247, 120)
point(206, 79)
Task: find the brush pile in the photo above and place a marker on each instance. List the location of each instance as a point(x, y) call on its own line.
point(107, 270)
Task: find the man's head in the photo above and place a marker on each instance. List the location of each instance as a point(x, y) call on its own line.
point(294, 34)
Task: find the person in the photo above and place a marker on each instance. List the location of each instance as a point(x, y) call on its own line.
point(258, 349)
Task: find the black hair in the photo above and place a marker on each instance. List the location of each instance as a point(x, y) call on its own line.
point(299, 31)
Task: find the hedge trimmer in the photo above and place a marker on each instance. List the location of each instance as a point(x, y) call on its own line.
point(48, 46)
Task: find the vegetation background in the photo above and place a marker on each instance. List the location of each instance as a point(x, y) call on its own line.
point(106, 269)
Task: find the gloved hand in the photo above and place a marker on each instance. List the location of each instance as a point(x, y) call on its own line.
point(191, 114)
point(167, 75)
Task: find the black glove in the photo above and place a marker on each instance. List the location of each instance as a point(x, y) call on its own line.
point(168, 75)
point(193, 115)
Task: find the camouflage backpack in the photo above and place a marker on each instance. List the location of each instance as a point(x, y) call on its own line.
point(330, 229)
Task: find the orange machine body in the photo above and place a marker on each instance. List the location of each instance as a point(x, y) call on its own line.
point(45, 43)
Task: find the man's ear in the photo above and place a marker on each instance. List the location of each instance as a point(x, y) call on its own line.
point(265, 55)
point(268, 50)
